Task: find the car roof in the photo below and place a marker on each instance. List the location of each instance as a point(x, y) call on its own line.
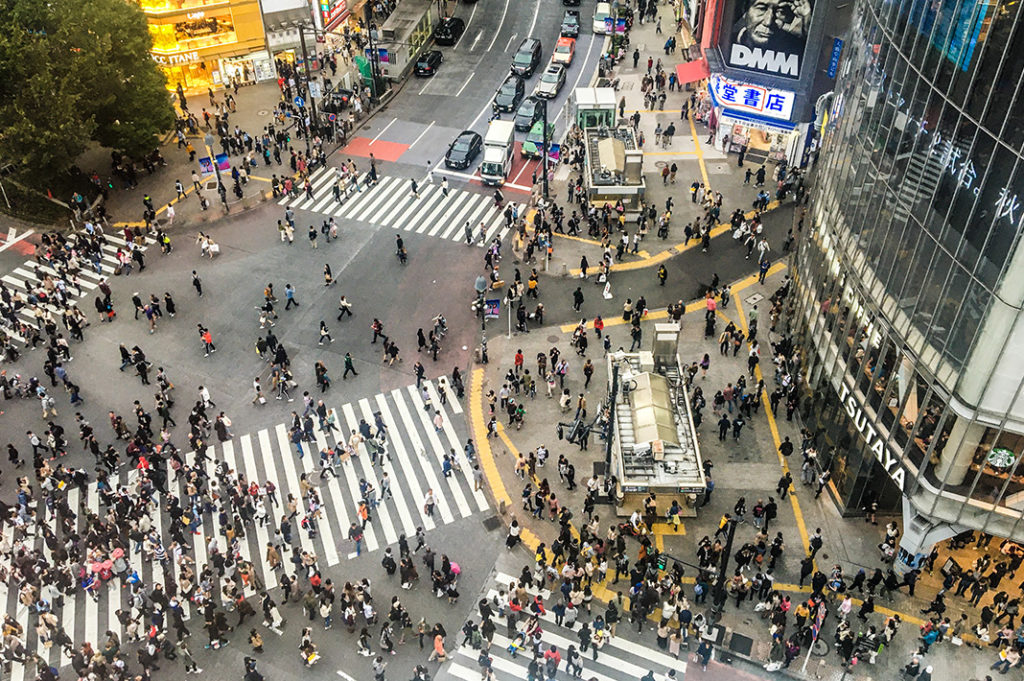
point(529, 44)
point(467, 133)
point(553, 68)
point(565, 41)
point(572, 13)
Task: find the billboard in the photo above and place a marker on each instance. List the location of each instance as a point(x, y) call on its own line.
point(751, 99)
point(769, 36)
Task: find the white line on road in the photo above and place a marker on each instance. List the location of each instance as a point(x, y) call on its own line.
point(536, 11)
point(30, 233)
point(498, 30)
point(425, 86)
point(383, 131)
point(345, 676)
point(510, 39)
point(421, 135)
point(464, 85)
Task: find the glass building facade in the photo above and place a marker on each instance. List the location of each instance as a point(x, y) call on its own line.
point(910, 276)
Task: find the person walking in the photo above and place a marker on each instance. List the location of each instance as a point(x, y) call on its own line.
point(349, 367)
point(289, 294)
point(197, 283)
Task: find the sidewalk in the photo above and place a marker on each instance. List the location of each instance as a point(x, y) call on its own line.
point(254, 112)
point(749, 467)
point(695, 159)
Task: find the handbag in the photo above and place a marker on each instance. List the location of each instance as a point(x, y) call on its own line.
point(263, 400)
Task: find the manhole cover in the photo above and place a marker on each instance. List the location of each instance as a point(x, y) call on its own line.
point(660, 164)
point(553, 339)
point(754, 299)
point(262, 112)
point(719, 169)
point(492, 523)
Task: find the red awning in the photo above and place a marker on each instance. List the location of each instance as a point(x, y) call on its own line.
point(692, 71)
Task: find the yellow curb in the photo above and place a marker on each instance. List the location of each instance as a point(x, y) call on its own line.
point(725, 227)
point(662, 313)
point(483, 443)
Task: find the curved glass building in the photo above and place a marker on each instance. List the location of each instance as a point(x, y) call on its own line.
point(911, 270)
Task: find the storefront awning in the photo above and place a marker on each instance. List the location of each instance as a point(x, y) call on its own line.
point(692, 71)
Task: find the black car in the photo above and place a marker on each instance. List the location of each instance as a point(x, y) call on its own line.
point(527, 57)
point(427, 64)
point(449, 30)
point(528, 113)
point(335, 101)
point(463, 150)
point(571, 24)
point(571, 3)
point(510, 93)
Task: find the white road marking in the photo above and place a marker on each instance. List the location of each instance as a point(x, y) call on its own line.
point(498, 30)
point(383, 131)
point(421, 135)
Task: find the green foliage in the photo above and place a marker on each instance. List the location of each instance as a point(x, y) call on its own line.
point(75, 71)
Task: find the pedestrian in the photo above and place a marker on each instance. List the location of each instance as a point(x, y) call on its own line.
point(197, 284)
point(289, 294)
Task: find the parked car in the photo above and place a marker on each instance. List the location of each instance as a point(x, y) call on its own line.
point(565, 50)
point(571, 3)
point(551, 81)
point(527, 58)
point(528, 113)
point(449, 30)
point(509, 95)
point(571, 23)
point(427, 64)
point(463, 150)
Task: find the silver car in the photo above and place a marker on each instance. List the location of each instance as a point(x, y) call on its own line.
point(551, 81)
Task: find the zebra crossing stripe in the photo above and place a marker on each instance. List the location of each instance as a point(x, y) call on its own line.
point(380, 514)
point(249, 461)
point(408, 526)
point(292, 487)
point(426, 463)
point(453, 441)
point(395, 439)
point(371, 198)
point(427, 420)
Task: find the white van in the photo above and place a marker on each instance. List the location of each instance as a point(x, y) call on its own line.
point(601, 12)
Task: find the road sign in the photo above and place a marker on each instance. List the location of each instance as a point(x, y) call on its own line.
point(332, 117)
point(300, 102)
point(492, 308)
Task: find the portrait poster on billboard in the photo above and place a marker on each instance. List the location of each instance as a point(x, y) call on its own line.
point(769, 36)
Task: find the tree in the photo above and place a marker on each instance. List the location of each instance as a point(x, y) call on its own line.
point(72, 72)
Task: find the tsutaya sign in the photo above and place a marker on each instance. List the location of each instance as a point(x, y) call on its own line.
point(889, 461)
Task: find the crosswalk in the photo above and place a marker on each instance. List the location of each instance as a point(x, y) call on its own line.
point(415, 446)
point(390, 202)
point(618, 657)
point(24, 277)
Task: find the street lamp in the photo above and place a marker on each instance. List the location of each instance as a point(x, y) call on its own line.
point(309, 80)
point(719, 596)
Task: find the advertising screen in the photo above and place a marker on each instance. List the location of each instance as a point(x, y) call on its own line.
point(769, 36)
point(955, 28)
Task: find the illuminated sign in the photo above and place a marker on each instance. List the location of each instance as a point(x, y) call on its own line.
point(332, 10)
point(885, 456)
point(176, 59)
point(195, 15)
point(750, 98)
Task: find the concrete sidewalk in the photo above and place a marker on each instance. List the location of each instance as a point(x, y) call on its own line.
point(749, 466)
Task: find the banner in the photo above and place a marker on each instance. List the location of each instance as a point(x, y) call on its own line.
point(769, 36)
